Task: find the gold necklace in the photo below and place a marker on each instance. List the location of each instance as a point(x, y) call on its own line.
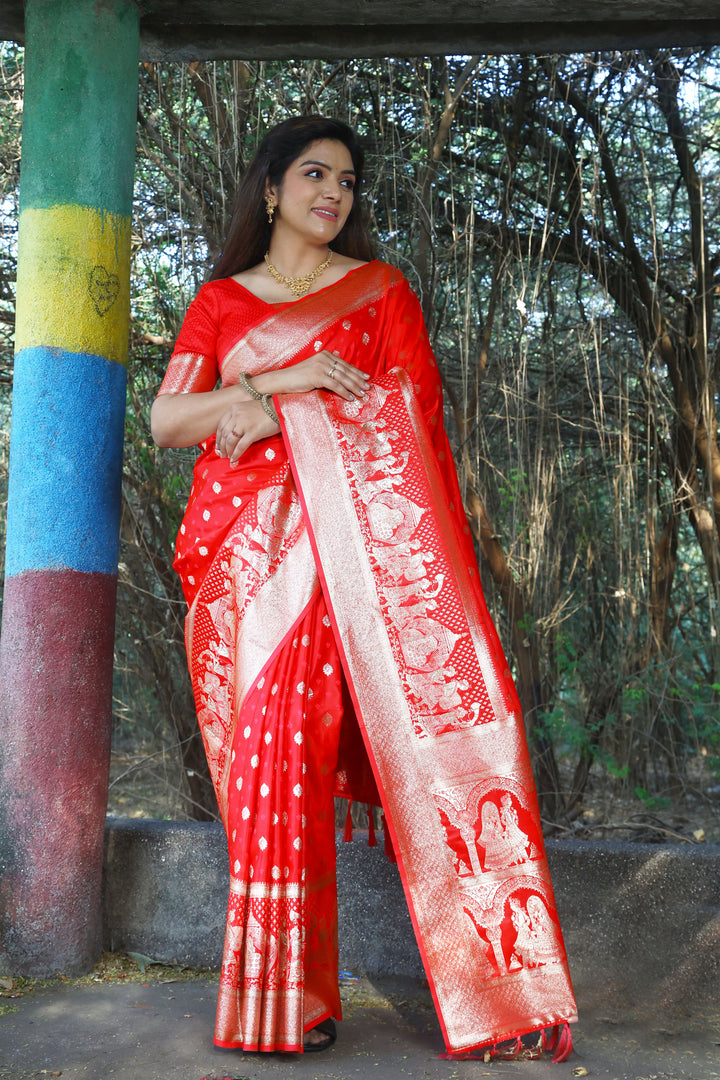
point(298, 286)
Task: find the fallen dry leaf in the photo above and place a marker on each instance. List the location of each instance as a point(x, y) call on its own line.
point(699, 835)
point(580, 1071)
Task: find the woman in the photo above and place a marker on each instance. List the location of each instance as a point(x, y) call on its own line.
point(493, 838)
point(305, 554)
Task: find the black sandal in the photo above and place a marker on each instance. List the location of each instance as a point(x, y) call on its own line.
point(326, 1028)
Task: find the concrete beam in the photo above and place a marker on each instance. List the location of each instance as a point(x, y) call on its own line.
point(278, 29)
point(641, 921)
point(202, 42)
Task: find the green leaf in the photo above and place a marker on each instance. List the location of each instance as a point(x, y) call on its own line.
point(142, 961)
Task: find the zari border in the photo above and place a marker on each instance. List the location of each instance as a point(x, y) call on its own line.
point(477, 624)
point(276, 608)
point(275, 341)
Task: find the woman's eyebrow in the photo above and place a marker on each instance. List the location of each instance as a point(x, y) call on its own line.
point(324, 165)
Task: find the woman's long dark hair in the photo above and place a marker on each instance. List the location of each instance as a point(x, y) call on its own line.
point(248, 237)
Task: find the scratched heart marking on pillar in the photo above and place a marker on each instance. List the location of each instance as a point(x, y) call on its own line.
point(103, 289)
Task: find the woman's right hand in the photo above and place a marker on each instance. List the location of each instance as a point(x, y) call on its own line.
point(323, 371)
point(240, 426)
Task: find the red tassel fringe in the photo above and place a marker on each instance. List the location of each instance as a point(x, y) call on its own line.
point(557, 1038)
point(348, 833)
point(389, 849)
point(564, 1045)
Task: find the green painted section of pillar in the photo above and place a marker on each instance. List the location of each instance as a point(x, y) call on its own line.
point(80, 103)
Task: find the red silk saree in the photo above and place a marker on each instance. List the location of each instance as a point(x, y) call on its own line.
point(331, 582)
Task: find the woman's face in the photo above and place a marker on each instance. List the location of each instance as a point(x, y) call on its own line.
point(316, 193)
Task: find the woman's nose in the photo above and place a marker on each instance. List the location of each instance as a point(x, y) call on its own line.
point(332, 188)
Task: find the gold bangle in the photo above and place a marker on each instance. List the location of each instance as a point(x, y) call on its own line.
point(243, 380)
point(268, 407)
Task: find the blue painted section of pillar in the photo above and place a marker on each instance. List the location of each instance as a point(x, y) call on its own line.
point(65, 485)
point(65, 467)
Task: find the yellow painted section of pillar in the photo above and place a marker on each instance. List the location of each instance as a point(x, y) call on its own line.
point(73, 281)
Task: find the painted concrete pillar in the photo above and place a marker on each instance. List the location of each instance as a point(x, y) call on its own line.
point(68, 411)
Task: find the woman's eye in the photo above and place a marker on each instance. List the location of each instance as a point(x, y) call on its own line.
point(349, 184)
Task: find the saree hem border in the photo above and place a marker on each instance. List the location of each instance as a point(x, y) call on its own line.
point(255, 1048)
point(280, 1048)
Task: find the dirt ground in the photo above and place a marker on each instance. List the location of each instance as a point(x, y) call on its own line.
point(123, 1024)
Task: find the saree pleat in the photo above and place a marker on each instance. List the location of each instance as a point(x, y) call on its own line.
point(282, 892)
point(265, 672)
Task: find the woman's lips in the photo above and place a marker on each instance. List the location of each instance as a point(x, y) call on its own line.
point(326, 212)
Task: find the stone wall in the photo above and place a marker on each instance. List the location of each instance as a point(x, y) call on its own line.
point(641, 921)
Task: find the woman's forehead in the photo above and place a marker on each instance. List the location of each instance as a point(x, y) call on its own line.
point(329, 152)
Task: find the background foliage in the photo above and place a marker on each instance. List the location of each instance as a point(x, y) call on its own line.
point(559, 219)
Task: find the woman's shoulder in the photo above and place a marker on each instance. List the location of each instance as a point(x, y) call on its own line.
point(396, 281)
point(209, 295)
point(222, 296)
point(396, 286)
point(215, 289)
point(385, 274)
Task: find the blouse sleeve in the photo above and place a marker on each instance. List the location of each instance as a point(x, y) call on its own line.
point(193, 367)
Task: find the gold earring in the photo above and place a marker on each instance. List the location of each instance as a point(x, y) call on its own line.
point(270, 204)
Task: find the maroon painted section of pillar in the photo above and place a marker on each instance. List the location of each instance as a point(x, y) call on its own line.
point(55, 727)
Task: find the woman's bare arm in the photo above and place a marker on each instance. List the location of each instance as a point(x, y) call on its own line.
point(232, 414)
point(187, 419)
point(324, 371)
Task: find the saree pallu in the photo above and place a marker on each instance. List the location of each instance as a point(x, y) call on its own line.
point(438, 711)
point(397, 604)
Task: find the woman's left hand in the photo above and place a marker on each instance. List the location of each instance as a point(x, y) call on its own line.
point(321, 371)
point(242, 425)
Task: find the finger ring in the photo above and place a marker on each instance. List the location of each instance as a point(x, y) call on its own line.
point(331, 372)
